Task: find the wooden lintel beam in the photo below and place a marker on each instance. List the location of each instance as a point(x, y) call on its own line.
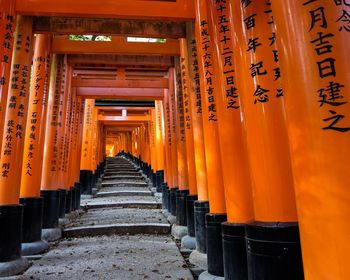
point(63, 45)
point(119, 83)
point(121, 27)
point(121, 60)
point(119, 108)
point(107, 118)
point(121, 93)
point(131, 9)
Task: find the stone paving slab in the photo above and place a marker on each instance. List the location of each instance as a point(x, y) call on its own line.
point(130, 229)
point(114, 257)
point(123, 188)
point(124, 184)
point(123, 193)
point(105, 216)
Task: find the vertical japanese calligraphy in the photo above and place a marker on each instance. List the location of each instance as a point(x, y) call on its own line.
point(36, 119)
point(7, 27)
point(16, 113)
point(331, 94)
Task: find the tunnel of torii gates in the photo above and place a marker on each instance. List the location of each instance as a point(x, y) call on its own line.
point(241, 118)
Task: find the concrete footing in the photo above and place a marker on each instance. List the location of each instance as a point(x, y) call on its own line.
point(13, 267)
point(207, 276)
point(198, 259)
point(188, 242)
point(51, 234)
point(171, 219)
point(34, 248)
point(178, 231)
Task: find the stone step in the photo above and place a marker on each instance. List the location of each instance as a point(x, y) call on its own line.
point(105, 216)
point(115, 257)
point(123, 193)
point(123, 179)
point(130, 229)
point(120, 173)
point(123, 184)
point(122, 176)
point(131, 204)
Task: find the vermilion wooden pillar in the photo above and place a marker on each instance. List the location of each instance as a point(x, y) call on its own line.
point(54, 199)
point(196, 113)
point(12, 150)
point(172, 112)
point(167, 140)
point(86, 153)
point(160, 147)
point(188, 121)
point(34, 148)
point(7, 28)
point(261, 82)
point(181, 195)
point(313, 40)
point(209, 90)
point(234, 157)
point(180, 131)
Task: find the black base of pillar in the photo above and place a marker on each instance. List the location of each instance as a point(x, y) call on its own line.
point(159, 179)
point(69, 201)
point(154, 180)
point(63, 201)
point(11, 232)
point(77, 195)
point(234, 251)
point(74, 198)
point(92, 182)
point(33, 208)
point(214, 243)
point(201, 208)
point(273, 251)
point(85, 181)
point(190, 199)
point(169, 202)
point(173, 193)
point(165, 199)
point(181, 218)
point(51, 208)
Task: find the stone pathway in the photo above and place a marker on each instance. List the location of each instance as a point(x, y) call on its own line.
point(121, 235)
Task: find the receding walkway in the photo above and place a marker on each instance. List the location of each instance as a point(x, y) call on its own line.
point(122, 234)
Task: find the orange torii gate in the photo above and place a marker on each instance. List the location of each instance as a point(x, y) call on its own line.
point(259, 133)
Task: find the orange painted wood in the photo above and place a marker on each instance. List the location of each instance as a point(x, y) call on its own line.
point(16, 114)
point(86, 154)
point(118, 45)
point(121, 93)
point(37, 118)
point(319, 138)
point(209, 91)
point(196, 114)
point(234, 154)
point(188, 121)
point(180, 131)
point(51, 177)
point(172, 115)
point(7, 28)
point(181, 9)
point(123, 83)
point(264, 116)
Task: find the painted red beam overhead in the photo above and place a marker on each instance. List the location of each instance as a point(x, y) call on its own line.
point(121, 93)
point(172, 10)
point(125, 60)
point(118, 45)
point(123, 83)
point(104, 118)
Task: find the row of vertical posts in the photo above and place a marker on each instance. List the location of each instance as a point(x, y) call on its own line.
point(41, 134)
point(260, 105)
